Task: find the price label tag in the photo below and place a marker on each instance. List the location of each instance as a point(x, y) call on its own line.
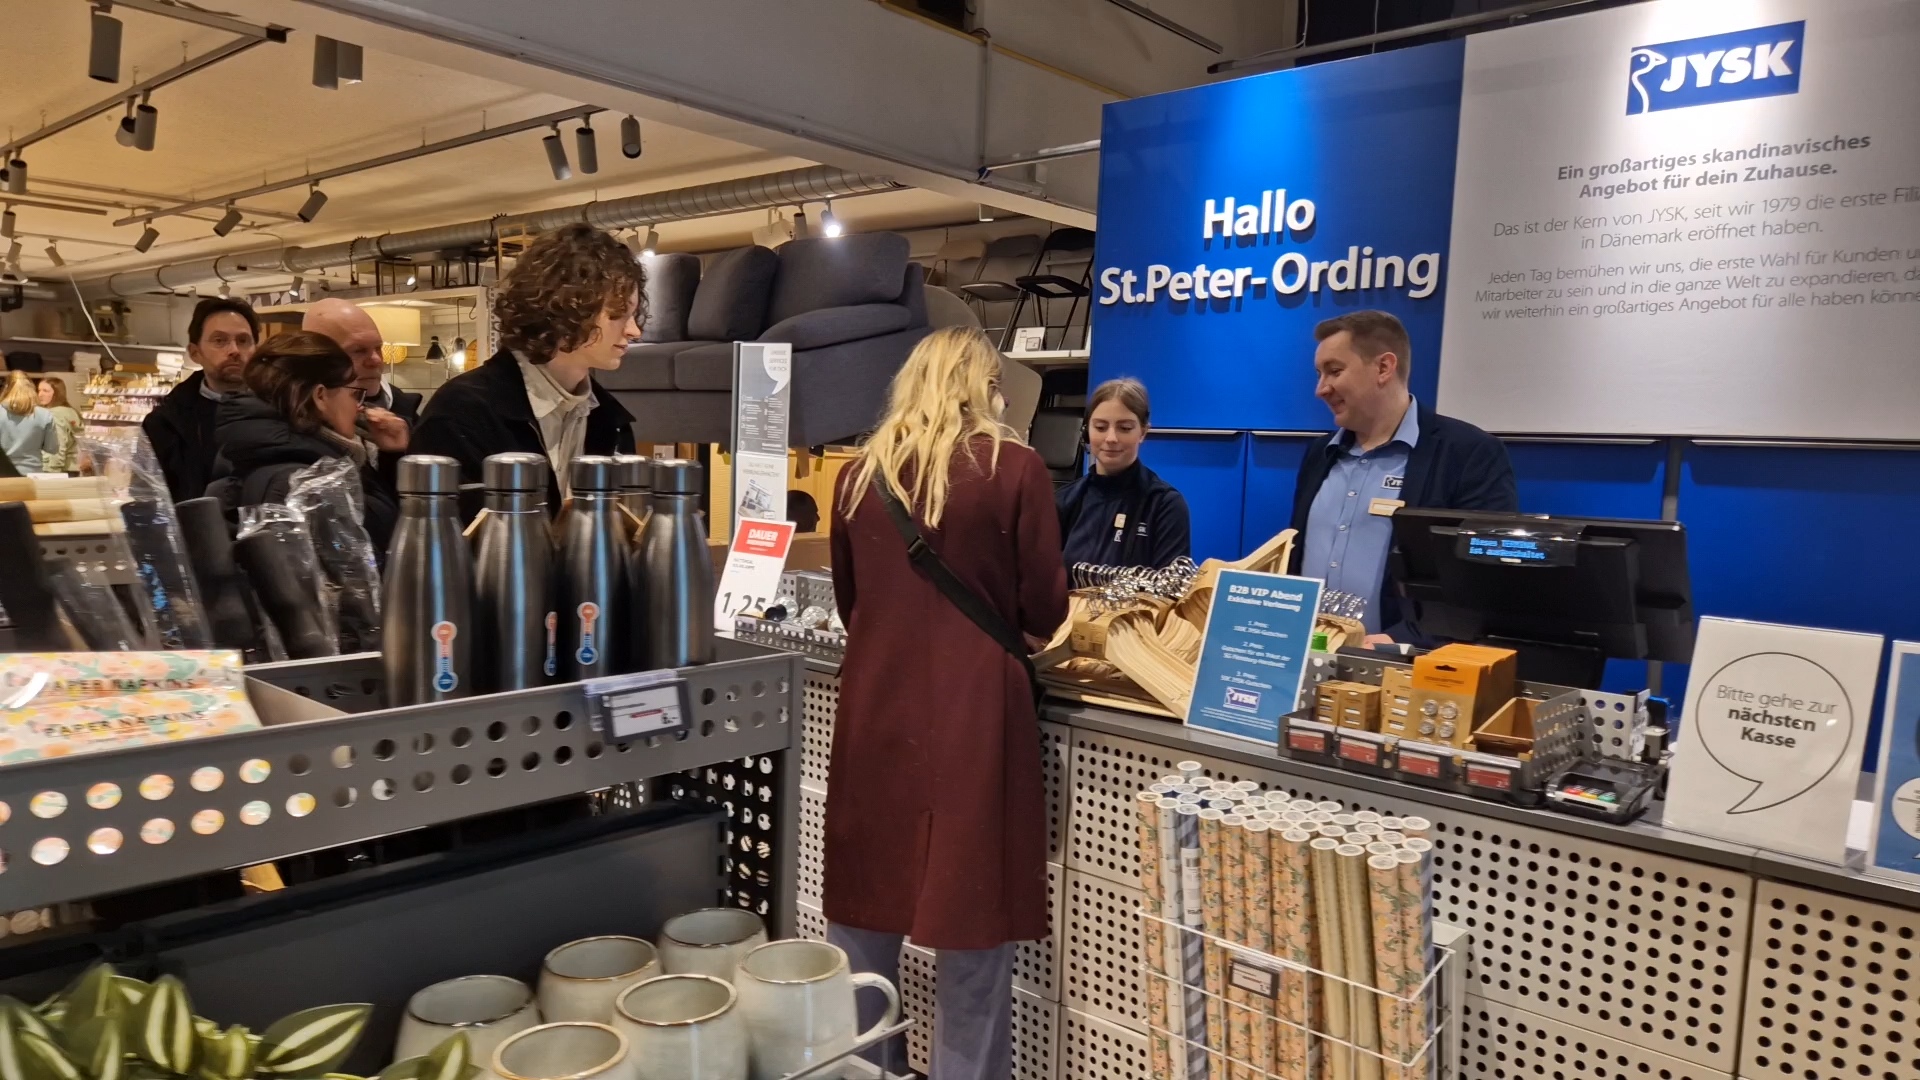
point(1255, 979)
point(626, 707)
point(1422, 764)
point(751, 578)
point(1497, 779)
point(1359, 750)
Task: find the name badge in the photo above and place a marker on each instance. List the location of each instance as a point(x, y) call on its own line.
point(1385, 507)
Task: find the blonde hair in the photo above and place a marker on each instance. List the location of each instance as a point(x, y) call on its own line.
point(945, 396)
point(22, 397)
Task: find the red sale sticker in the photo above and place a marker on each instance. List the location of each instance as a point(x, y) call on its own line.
point(1364, 752)
point(1423, 764)
point(1498, 779)
point(1310, 741)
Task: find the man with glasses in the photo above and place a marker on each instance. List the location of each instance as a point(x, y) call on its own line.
point(221, 337)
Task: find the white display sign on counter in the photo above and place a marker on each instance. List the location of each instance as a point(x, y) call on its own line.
point(1684, 218)
point(762, 396)
point(1895, 848)
point(1772, 735)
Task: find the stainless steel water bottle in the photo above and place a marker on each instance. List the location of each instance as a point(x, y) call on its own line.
point(679, 569)
point(633, 475)
point(595, 623)
point(516, 628)
point(427, 634)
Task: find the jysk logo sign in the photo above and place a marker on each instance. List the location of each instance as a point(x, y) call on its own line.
point(1249, 700)
point(1761, 62)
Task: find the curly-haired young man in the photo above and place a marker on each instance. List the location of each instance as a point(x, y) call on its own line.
point(570, 307)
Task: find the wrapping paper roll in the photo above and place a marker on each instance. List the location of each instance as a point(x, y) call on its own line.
point(1392, 837)
point(1356, 940)
point(1233, 895)
point(1380, 847)
point(1320, 817)
point(1366, 817)
point(1331, 831)
point(1330, 956)
point(1175, 779)
point(1369, 828)
point(1153, 938)
point(1359, 840)
point(1391, 823)
point(1388, 900)
point(1193, 975)
point(1416, 826)
point(1248, 786)
point(1415, 879)
point(1305, 806)
point(1329, 806)
point(1188, 770)
point(1345, 821)
point(1214, 911)
point(1259, 906)
point(1293, 940)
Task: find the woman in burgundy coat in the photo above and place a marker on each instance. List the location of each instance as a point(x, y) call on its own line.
point(935, 826)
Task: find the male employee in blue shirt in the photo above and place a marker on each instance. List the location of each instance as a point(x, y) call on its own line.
point(1389, 451)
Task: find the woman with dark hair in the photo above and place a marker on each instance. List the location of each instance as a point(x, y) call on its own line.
point(1121, 513)
point(301, 408)
point(569, 307)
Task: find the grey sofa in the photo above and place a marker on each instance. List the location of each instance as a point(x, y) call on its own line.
point(853, 307)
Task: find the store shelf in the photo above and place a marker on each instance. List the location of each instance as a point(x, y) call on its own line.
point(103, 823)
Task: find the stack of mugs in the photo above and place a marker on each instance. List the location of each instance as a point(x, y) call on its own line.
point(714, 1000)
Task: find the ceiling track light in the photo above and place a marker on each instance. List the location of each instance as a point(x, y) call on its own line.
point(103, 47)
point(299, 283)
point(586, 148)
point(557, 155)
point(800, 231)
point(54, 256)
point(8, 222)
point(123, 132)
point(311, 208)
point(146, 125)
point(226, 291)
point(227, 221)
point(147, 237)
point(13, 253)
point(829, 224)
point(16, 176)
point(630, 137)
point(651, 244)
point(335, 62)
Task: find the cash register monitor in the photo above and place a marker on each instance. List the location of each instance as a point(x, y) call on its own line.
point(1566, 593)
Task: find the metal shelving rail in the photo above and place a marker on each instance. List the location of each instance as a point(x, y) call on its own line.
point(87, 826)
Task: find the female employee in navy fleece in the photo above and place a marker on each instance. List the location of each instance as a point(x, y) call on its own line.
point(1120, 513)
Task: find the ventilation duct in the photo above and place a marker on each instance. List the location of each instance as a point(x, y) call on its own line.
point(816, 183)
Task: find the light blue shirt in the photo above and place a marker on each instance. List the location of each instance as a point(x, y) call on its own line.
point(28, 439)
point(1347, 544)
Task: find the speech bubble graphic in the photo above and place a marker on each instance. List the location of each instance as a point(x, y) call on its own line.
point(1776, 720)
point(779, 365)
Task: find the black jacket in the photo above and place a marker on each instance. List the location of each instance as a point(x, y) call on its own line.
point(260, 451)
point(486, 412)
point(406, 406)
point(1454, 466)
point(1157, 530)
point(180, 428)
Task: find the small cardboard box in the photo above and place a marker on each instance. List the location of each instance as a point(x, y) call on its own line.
point(1483, 676)
point(1509, 730)
point(1359, 707)
point(1397, 716)
point(1440, 716)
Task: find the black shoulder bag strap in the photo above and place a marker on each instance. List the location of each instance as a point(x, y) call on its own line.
point(977, 610)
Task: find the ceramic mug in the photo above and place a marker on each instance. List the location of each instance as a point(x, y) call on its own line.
point(484, 1008)
point(711, 941)
point(579, 980)
point(573, 1050)
point(683, 1027)
point(797, 998)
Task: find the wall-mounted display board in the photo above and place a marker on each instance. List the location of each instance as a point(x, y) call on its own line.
point(1689, 219)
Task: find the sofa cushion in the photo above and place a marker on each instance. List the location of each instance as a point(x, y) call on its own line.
point(840, 271)
point(671, 281)
point(646, 366)
point(731, 303)
point(704, 367)
point(831, 326)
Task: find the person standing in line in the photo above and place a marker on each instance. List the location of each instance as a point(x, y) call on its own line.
point(53, 398)
point(935, 823)
point(221, 337)
point(351, 328)
point(1389, 451)
point(570, 307)
point(1121, 513)
point(28, 433)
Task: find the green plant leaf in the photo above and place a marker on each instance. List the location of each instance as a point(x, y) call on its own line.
point(92, 996)
point(100, 1047)
point(312, 1041)
point(43, 1058)
point(404, 1069)
point(451, 1060)
point(16, 1014)
point(227, 1055)
point(132, 991)
point(162, 1030)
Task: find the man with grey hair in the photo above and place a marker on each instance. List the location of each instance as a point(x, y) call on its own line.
point(351, 328)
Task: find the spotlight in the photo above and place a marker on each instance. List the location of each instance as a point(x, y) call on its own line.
point(146, 123)
point(633, 243)
point(17, 176)
point(651, 243)
point(123, 132)
point(227, 221)
point(311, 208)
point(800, 231)
point(557, 155)
point(147, 237)
point(586, 148)
point(226, 291)
point(630, 136)
point(54, 256)
point(7, 223)
point(326, 63)
point(830, 225)
point(103, 51)
point(298, 283)
point(13, 253)
point(411, 278)
point(348, 61)
point(434, 351)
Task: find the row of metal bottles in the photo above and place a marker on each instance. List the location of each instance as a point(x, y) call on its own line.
point(623, 581)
